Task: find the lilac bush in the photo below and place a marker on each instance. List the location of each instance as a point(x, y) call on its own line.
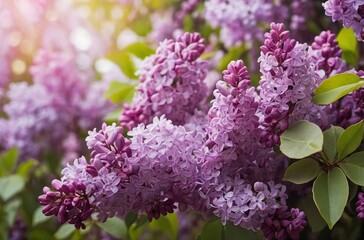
point(202, 119)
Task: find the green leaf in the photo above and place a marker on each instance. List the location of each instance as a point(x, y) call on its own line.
point(8, 161)
point(212, 230)
point(39, 217)
point(139, 49)
point(25, 168)
point(115, 227)
point(168, 225)
point(10, 186)
point(125, 62)
point(119, 92)
point(330, 193)
point(11, 209)
point(350, 139)
point(141, 25)
point(331, 136)
point(302, 171)
point(336, 87)
point(349, 45)
point(113, 116)
point(233, 232)
point(130, 218)
point(315, 221)
point(301, 139)
point(234, 53)
point(64, 231)
point(353, 167)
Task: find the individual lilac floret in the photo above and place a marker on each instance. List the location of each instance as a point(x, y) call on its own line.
point(284, 223)
point(240, 19)
point(288, 80)
point(69, 202)
point(171, 83)
point(326, 55)
point(360, 205)
point(350, 12)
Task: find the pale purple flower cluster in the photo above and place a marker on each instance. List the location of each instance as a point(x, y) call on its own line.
point(61, 101)
point(287, 82)
point(171, 83)
point(240, 19)
point(284, 224)
point(326, 55)
point(350, 12)
point(32, 122)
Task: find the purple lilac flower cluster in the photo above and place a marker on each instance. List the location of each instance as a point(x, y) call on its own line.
point(350, 12)
point(171, 83)
point(61, 101)
point(287, 82)
point(240, 20)
point(326, 55)
point(182, 159)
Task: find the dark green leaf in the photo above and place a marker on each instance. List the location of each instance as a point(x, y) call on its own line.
point(350, 139)
point(302, 171)
point(130, 219)
point(233, 232)
point(120, 92)
point(331, 136)
point(115, 227)
point(64, 231)
point(168, 225)
point(301, 139)
point(330, 193)
point(315, 221)
point(139, 49)
point(212, 230)
point(348, 44)
point(336, 87)
point(353, 168)
point(8, 161)
point(10, 186)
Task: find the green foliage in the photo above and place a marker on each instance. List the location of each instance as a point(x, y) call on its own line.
point(350, 140)
point(336, 87)
point(353, 167)
point(330, 193)
point(141, 25)
point(10, 186)
point(349, 45)
point(331, 136)
point(64, 231)
point(301, 139)
point(302, 171)
point(8, 161)
point(212, 230)
point(233, 54)
point(39, 217)
point(119, 92)
point(232, 232)
point(125, 62)
point(314, 219)
point(139, 49)
point(115, 227)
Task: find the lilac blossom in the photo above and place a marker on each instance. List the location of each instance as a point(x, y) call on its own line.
point(326, 55)
point(350, 12)
point(360, 205)
point(287, 82)
point(239, 20)
point(171, 83)
point(284, 224)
